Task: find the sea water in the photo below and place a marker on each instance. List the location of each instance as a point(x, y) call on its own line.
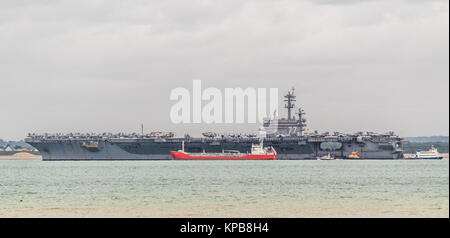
point(47, 184)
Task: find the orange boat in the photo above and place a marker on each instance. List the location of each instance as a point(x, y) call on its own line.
point(258, 153)
point(354, 155)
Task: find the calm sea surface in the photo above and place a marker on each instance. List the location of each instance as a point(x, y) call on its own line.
point(59, 184)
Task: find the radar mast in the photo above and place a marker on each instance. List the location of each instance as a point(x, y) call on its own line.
point(290, 99)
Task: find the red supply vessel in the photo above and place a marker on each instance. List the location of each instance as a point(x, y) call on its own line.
point(258, 153)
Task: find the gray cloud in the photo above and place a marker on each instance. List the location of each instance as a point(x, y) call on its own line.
point(110, 65)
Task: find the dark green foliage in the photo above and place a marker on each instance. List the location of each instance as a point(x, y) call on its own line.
point(412, 147)
point(13, 152)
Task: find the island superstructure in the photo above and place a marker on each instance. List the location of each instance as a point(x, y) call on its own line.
point(288, 136)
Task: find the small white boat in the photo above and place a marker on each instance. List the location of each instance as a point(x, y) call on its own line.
point(326, 157)
point(429, 154)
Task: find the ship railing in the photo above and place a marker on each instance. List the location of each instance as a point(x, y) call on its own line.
point(231, 151)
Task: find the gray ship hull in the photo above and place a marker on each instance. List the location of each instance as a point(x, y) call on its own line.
point(73, 150)
point(148, 149)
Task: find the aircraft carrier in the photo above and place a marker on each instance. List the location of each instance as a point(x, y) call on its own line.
point(288, 136)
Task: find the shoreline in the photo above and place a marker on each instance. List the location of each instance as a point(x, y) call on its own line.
point(167, 210)
point(12, 157)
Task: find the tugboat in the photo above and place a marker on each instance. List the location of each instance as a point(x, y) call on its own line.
point(430, 154)
point(258, 152)
point(354, 155)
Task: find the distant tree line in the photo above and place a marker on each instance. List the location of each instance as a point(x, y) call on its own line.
point(412, 147)
point(426, 139)
point(7, 153)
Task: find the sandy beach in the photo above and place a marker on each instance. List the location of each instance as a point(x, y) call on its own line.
point(12, 157)
point(251, 210)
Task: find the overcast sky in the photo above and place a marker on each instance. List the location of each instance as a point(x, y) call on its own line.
point(98, 65)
